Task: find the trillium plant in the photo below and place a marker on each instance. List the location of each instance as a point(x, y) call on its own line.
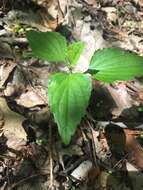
point(69, 92)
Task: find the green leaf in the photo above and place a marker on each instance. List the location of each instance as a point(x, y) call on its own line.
point(68, 96)
point(113, 64)
point(50, 46)
point(74, 51)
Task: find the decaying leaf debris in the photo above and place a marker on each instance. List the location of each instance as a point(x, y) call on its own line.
point(106, 152)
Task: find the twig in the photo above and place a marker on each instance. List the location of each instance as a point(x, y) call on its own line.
point(14, 41)
point(73, 166)
point(7, 174)
point(120, 161)
point(93, 145)
point(60, 9)
point(26, 179)
point(51, 156)
point(4, 187)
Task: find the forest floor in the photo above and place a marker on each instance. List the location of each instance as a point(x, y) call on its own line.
point(106, 153)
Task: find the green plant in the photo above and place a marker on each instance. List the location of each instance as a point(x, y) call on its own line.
point(69, 93)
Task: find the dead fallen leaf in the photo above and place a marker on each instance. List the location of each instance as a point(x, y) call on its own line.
point(135, 175)
point(6, 67)
point(140, 2)
point(31, 98)
point(141, 96)
point(48, 16)
point(52, 12)
point(111, 14)
point(134, 148)
point(121, 97)
point(123, 141)
point(131, 168)
point(12, 126)
point(5, 50)
point(91, 2)
point(93, 174)
point(12, 89)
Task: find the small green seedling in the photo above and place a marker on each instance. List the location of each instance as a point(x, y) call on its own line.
point(69, 93)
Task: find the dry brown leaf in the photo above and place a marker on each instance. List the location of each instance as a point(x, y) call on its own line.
point(134, 148)
point(6, 67)
point(135, 175)
point(5, 50)
point(141, 96)
point(31, 98)
point(121, 97)
point(91, 2)
point(52, 12)
point(140, 2)
point(124, 141)
point(11, 125)
point(93, 175)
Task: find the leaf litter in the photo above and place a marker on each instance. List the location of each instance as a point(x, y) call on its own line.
point(114, 150)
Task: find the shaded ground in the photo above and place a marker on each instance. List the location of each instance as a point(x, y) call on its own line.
point(106, 151)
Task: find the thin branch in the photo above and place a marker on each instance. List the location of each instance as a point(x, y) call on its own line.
point(26, 179)
point(51, 156)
